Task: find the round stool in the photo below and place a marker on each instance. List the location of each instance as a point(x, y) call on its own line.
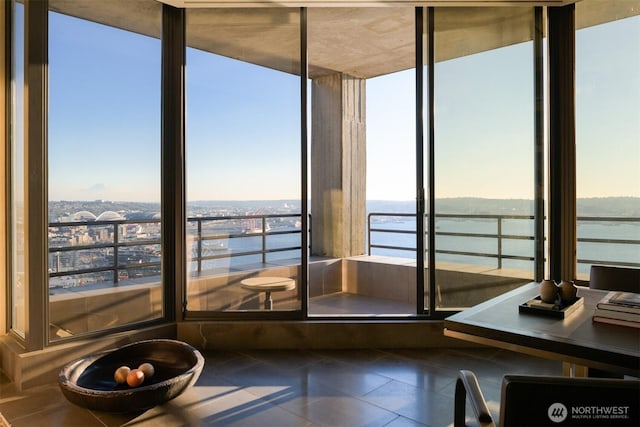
point(267, 285)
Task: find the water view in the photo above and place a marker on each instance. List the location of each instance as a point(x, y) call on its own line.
point(227, 234)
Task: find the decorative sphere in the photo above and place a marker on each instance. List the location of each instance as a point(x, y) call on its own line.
point(147, 369)
point(548, 291)
point(568, 291)
point(121, 374)
point(135, 378)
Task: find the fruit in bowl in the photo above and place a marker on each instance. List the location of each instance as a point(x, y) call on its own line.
point(96, 381)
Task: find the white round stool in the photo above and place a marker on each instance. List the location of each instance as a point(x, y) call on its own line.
point(267, 285)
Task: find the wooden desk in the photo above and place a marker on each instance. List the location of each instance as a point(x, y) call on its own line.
point(575, 340)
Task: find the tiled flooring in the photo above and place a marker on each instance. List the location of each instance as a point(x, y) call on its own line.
point(350, 388)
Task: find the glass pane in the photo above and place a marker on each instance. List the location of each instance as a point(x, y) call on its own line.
point(484, 123)
point(104, 177)
point(427, 115)
point(362, 161)
point(391, 171)
point(18, 284)
point(243, 160)
point(608, 135)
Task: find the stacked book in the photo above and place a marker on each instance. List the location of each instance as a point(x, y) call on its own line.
point(619, 308)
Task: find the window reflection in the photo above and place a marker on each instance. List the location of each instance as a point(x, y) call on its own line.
point(18, 283)
point(243, 159)
point(484, 123)
point(608, 134)
point(104, 177)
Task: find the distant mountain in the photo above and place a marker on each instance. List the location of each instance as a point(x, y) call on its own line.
point(609, 206)
point(460, 205)
point(597, 206)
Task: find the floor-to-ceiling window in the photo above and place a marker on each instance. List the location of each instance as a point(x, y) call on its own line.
point(243, 161)
point(244, 151)
point(103, 176)
point(362, 161)
point(608, 134)
point(17, 219)
point(484, 151)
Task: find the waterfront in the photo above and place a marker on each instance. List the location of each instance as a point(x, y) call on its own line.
point(232, 235)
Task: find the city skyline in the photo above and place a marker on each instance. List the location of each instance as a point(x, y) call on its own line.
point(84, 108)
point(62, 211)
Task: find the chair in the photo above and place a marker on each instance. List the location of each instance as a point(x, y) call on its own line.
point(529, 400)
point(614, 278)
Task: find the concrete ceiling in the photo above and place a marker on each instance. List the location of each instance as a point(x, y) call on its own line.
point(360, 41)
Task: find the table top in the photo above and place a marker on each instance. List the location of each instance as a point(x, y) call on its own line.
point(266, 283)
point(575, 339)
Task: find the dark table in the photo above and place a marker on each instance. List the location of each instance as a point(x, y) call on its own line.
point(576, 340)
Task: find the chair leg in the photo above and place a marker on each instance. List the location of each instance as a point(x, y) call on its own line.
point(459, 405)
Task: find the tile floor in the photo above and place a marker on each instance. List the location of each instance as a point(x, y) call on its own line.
point(349, 388)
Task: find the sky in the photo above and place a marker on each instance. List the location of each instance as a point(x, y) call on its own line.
point(243, 121)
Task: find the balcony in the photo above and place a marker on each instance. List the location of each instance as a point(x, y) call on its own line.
point(100, 269)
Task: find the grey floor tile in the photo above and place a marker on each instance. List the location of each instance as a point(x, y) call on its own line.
point(346, 411)
point(349, 379)
point(404, 422)
point(414, 372)
point(412, 402)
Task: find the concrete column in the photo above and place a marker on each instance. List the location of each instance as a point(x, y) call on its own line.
point(338, 166)
point(562, 144)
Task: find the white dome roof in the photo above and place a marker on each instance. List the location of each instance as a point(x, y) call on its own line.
point(83, 215)
point(109, 216)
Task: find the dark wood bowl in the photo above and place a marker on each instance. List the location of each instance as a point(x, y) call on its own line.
point(89, 382)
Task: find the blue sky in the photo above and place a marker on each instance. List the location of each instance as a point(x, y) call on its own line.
point(243, 121)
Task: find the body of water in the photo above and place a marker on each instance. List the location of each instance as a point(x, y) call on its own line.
point(474, 242)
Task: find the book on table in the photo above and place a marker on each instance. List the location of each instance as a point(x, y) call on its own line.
point(619, 308)
point(627, 302)
point(611, 321)
point(614, 314)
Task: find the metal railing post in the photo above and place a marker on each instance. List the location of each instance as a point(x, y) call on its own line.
point(499, 241)
point(116, 239)
point(199, 234)
point(264, 240)
point(369, 234)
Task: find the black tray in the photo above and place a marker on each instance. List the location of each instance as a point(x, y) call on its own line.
point(556, 310)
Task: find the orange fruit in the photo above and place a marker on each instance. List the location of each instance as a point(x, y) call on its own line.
point(135, 378)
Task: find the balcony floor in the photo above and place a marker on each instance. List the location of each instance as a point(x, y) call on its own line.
point(349, 388)
point(345, 304)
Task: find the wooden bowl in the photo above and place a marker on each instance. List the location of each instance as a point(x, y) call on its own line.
point(88, 382)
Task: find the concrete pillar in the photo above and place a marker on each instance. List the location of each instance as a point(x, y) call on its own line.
point(338, 166)
point(562, 144)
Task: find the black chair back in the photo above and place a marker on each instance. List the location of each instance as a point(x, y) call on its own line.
point(614, 278)
point(539, 401)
